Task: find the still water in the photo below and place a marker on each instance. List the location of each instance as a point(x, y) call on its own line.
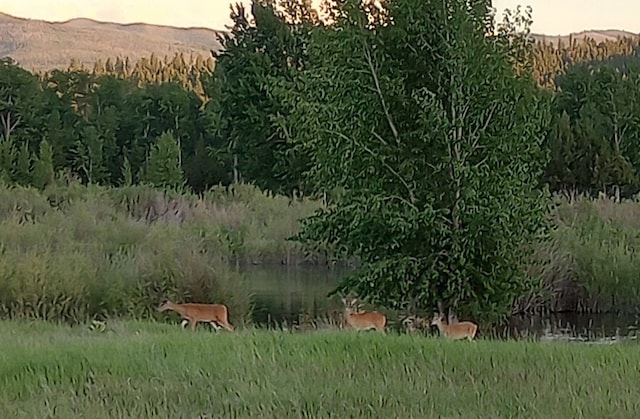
point(289, 296)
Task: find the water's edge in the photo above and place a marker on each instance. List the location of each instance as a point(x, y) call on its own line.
point(296, 297)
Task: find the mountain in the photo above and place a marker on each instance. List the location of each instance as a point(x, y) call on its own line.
point(41, 45)
point(596, 35)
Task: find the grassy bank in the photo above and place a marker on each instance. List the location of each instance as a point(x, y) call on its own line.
point(137, 369)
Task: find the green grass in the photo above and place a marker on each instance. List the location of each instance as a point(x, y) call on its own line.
point(138, 369)
point(593, 260)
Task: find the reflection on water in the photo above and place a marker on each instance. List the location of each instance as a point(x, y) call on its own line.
point(283, 295)
point(578, 327)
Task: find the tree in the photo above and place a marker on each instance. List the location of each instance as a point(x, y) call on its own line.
point(23, 165)
point(43, 166)
point(416, 111)
point(8, 156)
point(163, 167)
point(127, 173)
point(22, 108)
point(598, 128)
point(259, 57)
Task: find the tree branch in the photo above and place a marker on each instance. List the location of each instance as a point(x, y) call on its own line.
point(412, 198)
point(484, 127)
point(385, 108)
point(7, 124)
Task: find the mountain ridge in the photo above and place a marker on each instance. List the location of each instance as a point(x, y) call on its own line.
point(41, 45)
point(44, 45)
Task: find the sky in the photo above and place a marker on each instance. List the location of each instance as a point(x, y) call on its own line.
point(551, 17)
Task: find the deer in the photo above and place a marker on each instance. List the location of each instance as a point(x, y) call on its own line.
point(362, 321)
point(192, 313)
point(455, 331)
point(414, 323)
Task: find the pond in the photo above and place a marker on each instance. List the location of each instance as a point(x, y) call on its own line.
point(289, 296)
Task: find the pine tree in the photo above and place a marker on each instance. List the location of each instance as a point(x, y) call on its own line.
point(23, 165)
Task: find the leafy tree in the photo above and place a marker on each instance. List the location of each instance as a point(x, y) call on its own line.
point(597, 128)
point(163, 167)
point(260, 56)
point(22, 105)
point(89, 158)
point(416, 111)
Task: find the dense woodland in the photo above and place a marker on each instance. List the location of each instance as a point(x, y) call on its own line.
point(103, 125)
point(415, 130)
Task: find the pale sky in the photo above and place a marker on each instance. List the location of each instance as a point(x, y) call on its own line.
point(551, 17)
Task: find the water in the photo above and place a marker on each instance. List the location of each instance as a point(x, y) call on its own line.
point(285, 294)
point(289, 295)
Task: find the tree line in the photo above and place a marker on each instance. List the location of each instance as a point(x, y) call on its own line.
point(98, 124)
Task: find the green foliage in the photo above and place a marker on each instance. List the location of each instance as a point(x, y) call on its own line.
point(22, 107)
point(23, 165)
point(127, 175)
point(140, 369)
point(597, 128)
point(553, 57)
point(163, 167)
point(438, 145)
point(43, 166)
point(258, 58)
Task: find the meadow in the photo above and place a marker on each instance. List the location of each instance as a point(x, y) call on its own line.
point(144, 369)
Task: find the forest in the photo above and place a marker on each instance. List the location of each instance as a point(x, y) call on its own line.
point(104, 125)
point(347, 113)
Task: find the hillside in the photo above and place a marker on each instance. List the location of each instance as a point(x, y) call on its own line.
point(596, 35)
point(41, 45)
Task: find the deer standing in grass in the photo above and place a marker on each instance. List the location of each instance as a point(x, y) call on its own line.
point(362, 321)
point(455, 331)
point(214, 314)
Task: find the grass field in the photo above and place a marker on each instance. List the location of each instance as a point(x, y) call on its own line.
point(144, 369)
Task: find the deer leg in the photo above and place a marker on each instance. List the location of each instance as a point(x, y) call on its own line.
point(227, 326)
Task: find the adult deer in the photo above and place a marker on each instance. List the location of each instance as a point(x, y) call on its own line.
point(362, 321)
point(214, 314)
point(455, 331)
